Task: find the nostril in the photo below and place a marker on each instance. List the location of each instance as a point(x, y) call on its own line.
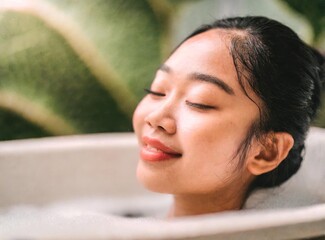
point(161, 122)
point(147, 121)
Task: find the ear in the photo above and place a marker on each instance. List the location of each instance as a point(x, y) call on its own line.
point(268, 155)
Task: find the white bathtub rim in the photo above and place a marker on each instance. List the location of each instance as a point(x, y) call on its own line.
point(87, 141)
point(146, 228)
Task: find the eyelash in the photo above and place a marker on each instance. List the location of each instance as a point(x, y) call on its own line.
point(191, 104)
point(199, 106)
point(154, 93)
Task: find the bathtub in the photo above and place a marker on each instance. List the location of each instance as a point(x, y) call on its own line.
point(84, 187)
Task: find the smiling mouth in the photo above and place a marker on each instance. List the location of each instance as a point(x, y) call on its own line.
point(152, 154)
point(154, 151)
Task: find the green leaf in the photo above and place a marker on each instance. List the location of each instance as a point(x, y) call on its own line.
point(313, 11)
point(85, 62)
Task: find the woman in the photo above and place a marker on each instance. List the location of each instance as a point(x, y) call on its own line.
point(226, 113)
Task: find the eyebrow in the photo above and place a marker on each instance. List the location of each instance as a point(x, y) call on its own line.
point(205, 78)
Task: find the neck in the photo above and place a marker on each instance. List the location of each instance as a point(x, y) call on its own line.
point(197, 204)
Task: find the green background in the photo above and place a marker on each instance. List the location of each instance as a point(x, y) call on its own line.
point(80, 66)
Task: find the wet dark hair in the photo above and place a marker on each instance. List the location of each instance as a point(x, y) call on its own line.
point(285, 73)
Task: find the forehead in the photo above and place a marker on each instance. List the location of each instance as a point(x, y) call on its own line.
point(214, 43)
point(221, 37)
point(207, 53)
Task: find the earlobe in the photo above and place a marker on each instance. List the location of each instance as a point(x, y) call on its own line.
point(269, 154)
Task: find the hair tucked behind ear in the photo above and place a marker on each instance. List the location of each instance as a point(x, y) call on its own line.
point(293, 161)
point(285, 73)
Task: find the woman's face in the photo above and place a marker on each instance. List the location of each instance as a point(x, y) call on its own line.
point(191, 124)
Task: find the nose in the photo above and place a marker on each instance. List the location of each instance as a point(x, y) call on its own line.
point(162, 119)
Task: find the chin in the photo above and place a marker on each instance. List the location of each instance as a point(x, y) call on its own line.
point(153, 180)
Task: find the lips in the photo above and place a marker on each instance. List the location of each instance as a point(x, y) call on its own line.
point(154, 150)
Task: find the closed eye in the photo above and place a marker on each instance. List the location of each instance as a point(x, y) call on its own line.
point(199, 105)
point(154, 93)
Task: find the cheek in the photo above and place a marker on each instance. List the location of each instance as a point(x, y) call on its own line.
point(209, 145)
point(210, 136)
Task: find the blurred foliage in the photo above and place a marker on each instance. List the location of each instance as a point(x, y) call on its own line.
point(80, 66)
point(314, 12)
point(69, 67)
